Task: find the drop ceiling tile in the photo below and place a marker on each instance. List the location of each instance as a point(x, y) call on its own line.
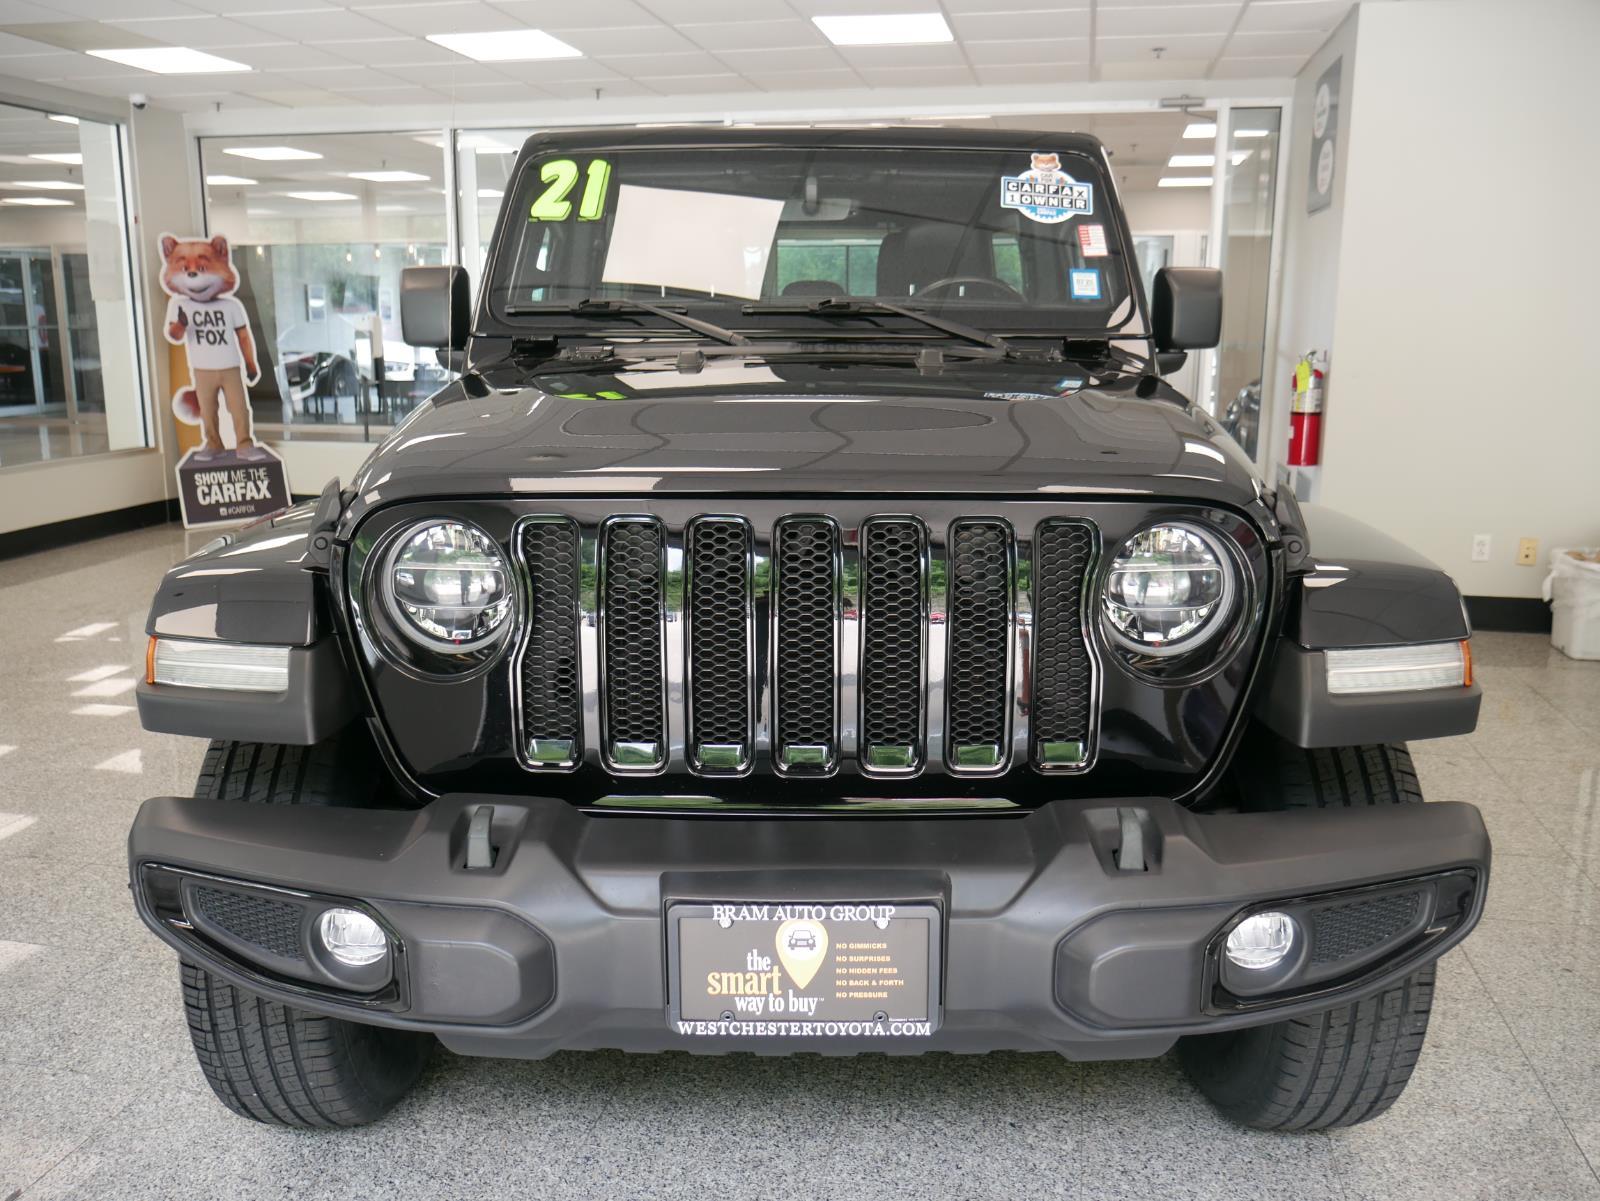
point(1288, 15)
point(1031, 73)
point(397, 52)
point(317, 26)
point(19, 12)
point(677, 12)
point(939, 54)
point(556, 15)
point(805, 81)
point(1167, 20)
point(441, 75)
point(401, 95)
point(754, 35)
point(561, 70)
point(12, 46)
point(1189, 47)
point(1148, 69)
point(803, 59)
point(1258, 68)
point(1274, 45)
point(565, 90)
point(1042, 51)
point(205, 102)
point(1018, 26)
point(275, 56)
point(1074, 9)
point(106, 10)
point(844, 8)
point(333, 79)
point(916, 77)
point(697, 85)
point(203, 32)
point(295, 98)
point(692, 62)
point(244, 8)
point(423, 19)
point(635, 40)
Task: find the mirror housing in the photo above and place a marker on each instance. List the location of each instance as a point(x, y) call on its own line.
point(1186, 308)
point(1170, 362)
point(435, 309)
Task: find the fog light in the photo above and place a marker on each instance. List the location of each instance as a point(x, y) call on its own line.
point(352, 937)
point(1262, 940)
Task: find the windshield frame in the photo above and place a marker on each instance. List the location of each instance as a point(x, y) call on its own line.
point(493, 316)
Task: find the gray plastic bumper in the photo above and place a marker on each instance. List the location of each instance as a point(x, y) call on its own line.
point(1047, 943)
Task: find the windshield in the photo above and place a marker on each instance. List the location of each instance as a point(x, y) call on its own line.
point(1008, 241)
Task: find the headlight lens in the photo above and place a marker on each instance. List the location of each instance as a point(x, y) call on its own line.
point(1170, 588)
point(449, 586)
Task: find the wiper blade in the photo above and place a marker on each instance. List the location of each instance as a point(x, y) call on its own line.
point(622, 308)
point(830, 306)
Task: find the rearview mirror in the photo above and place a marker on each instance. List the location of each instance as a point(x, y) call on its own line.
point(434, 308)
point(1186, 308)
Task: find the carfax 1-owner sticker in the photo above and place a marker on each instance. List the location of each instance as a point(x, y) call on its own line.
point(1045, 192)
point(829, 970)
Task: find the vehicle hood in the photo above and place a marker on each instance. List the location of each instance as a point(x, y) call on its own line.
point(741, 426)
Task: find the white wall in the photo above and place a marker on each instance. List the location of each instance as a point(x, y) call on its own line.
point(1168, 210)
point(1463, 394)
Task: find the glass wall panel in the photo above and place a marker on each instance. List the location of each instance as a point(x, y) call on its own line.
point(320, 227)
point(70, 378)
point(1251, 174)
point(484, 158)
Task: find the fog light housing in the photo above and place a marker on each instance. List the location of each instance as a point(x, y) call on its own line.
point(1261, 941)
point(352, 937)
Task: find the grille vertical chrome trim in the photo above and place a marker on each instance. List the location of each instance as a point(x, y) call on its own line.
point(719, 755)
point(556, 746)
point(624, 752)
point(897, 756)
point(816, 751)
point(965, 754)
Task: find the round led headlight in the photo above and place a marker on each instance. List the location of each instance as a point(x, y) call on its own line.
point(1170, 588)
point(449, 587)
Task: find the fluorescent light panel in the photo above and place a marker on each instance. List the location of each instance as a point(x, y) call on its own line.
point(389, 176)
point(1191, 160)
point(37, 202)
point(1200, 129)
point(223, 181)
point(67, 158)
point(47, 185)
point(1184, 181)
point(171, 60)
point(322, 195)
point(63, 118)
point(271, 154)
point(506, 45)
point(885, 29)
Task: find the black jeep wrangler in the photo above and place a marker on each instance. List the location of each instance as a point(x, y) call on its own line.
point(809, 623)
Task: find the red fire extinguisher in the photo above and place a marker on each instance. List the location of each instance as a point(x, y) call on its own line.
point(1305, 418)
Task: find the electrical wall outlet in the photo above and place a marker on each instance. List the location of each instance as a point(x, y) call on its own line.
point(1480, 548)
point(1528, 552)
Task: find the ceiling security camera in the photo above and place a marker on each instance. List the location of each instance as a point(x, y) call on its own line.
point(139, 100)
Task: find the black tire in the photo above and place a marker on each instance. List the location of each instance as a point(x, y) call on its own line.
point(270, 1062)
point(1350, 1063)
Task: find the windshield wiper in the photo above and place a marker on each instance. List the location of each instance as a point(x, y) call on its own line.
point(622, 308)
point(832, 306)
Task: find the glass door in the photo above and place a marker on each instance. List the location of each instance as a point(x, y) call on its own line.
point(31, 379)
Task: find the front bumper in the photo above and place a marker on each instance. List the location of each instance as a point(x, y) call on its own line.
point(1047, 942)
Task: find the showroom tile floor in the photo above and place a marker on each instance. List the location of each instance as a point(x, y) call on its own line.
point(100, 1097)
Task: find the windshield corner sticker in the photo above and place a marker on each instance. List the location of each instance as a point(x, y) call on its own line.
point(1044, 192)
point(1085, 283)
point(1092, 241)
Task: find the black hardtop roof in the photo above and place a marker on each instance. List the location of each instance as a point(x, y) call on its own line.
point(617, 137)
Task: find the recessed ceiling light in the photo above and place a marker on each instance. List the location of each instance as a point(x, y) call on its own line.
point(389, 176)
point(34, 201)
point(1238, 156)
point(395, 208)
point(270, 154)
point(885, 29)
point(47, 185)
point(63, 118)
point(226, 181)
point(1200, 129)
point(506, 45)
point(171, 60)
point(322, 196)
point(1251, 133)
point(1191, 160)
point(1185, 181)
point(68, 159)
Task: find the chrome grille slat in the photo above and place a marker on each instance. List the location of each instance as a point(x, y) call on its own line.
point(632, 636)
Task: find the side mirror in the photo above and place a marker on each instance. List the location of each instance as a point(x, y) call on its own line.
point(1186, 308)
point(434, 307)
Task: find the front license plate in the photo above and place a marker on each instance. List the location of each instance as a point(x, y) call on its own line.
point(826, 970)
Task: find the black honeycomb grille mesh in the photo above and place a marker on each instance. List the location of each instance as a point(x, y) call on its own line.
point(633, 598)
point(1340, 931)
point(273, 926)
point(551, 684)
point(1062, 680)
point(719, 632)
point(806, 634)
point(980, 631)
point(892, 624)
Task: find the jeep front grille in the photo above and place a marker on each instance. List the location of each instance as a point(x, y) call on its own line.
point(803, 646)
